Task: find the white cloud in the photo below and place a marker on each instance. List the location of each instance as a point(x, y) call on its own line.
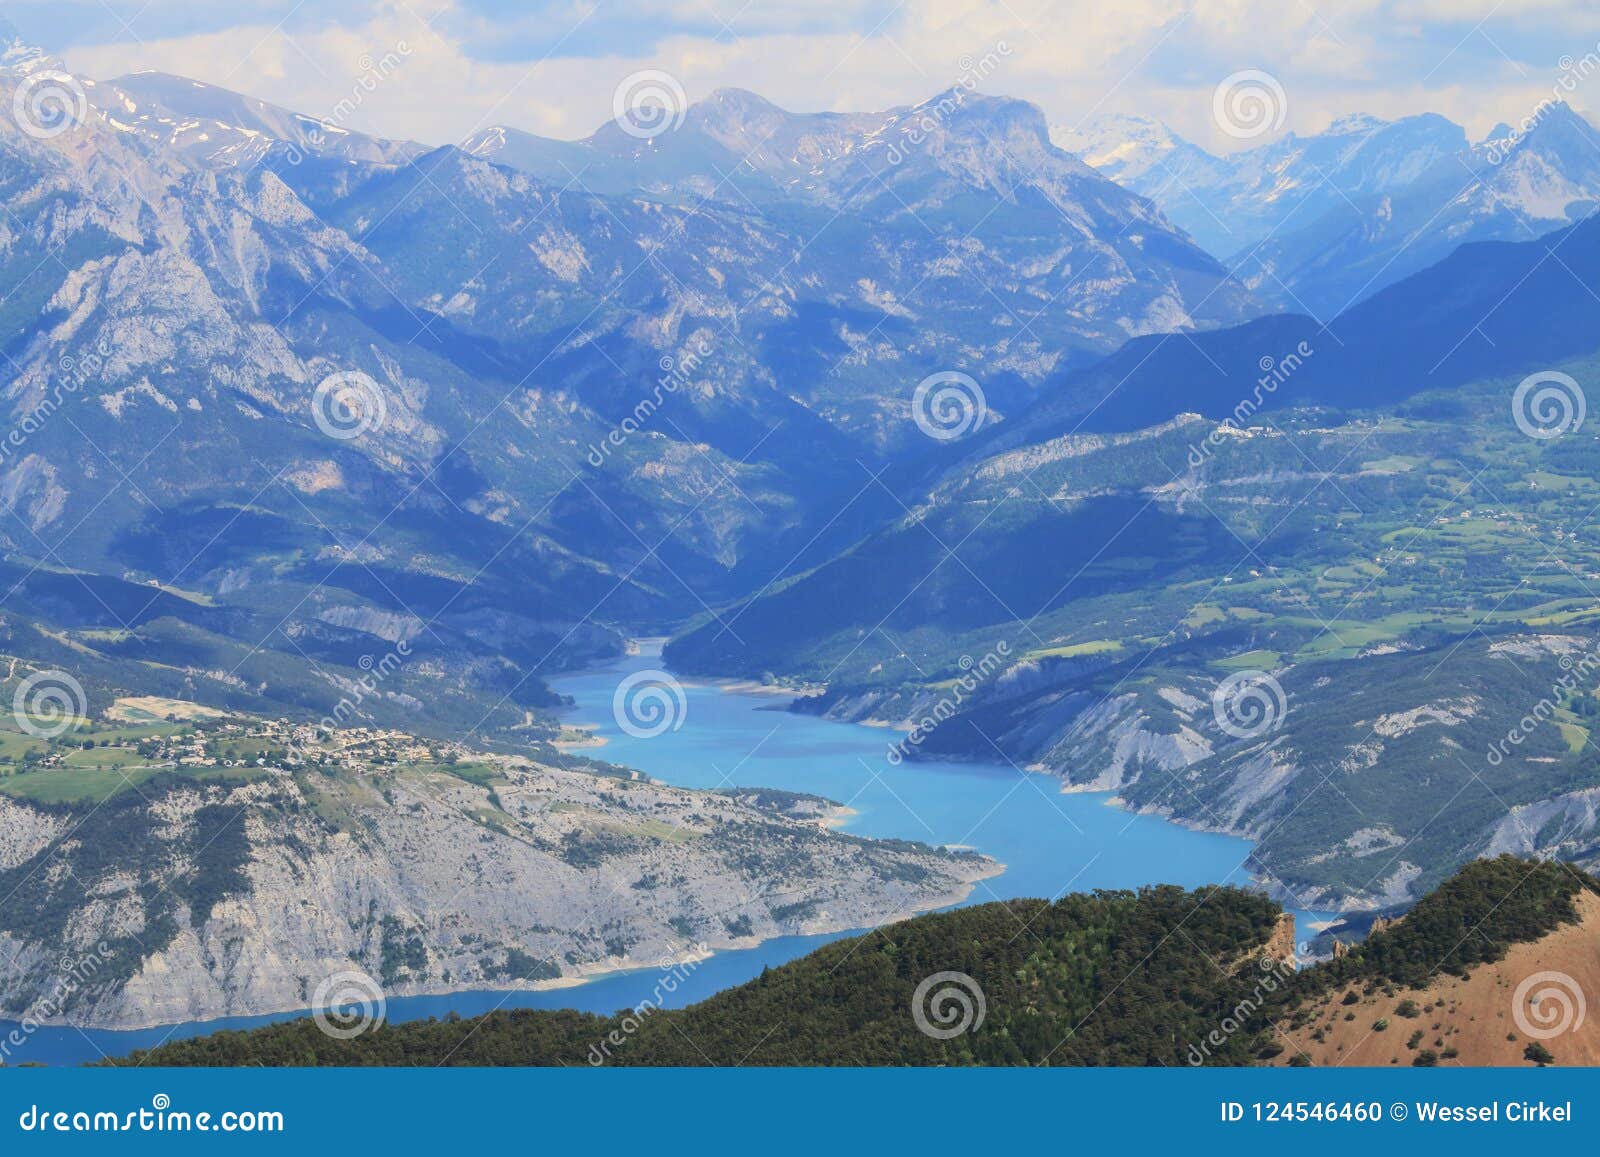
point(1073, 57)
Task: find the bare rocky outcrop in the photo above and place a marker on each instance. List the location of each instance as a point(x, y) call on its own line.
point(24, 832)
point(1567, 827)
point(241, 898)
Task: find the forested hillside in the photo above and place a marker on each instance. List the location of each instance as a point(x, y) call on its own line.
point(1161, 976)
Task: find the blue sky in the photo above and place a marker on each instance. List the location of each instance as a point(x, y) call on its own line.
point(552, 67)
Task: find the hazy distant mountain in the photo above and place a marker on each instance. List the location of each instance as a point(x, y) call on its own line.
point(1143, 154)
point(948, 235)
point(1487, 309)
point(1316, 224)
point(219, 127)
point(1229, 203)
point(738, 147)
point(1506, 189)
point(977, 199)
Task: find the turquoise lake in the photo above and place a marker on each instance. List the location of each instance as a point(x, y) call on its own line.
point(1050, 842)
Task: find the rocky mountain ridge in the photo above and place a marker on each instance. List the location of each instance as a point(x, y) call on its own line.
point(1318, 224)
point(1231, 202)
point(198, 899)
point(621, 406)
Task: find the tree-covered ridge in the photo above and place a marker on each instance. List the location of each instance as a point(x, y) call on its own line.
point(1161, 976)
point(1470, 919)
point(1110, 977)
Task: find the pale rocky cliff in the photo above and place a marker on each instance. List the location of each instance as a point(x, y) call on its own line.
point(200, 900)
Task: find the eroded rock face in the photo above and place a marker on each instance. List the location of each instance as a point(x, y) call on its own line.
point(239, 899)
point(1564, 827)
point(24, 832)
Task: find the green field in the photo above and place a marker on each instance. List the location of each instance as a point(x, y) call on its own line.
point(1073, 650)
point(97, 784)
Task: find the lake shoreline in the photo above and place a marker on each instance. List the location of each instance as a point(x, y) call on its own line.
point(1039, 843)
point(586, 975)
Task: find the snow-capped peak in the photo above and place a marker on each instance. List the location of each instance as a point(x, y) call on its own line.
point(19, 56)
point(1355, 123)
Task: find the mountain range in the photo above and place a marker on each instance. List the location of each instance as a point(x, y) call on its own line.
point(1316, 224)
point(284, 394)
point(202, 262)
point(1229, 203)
